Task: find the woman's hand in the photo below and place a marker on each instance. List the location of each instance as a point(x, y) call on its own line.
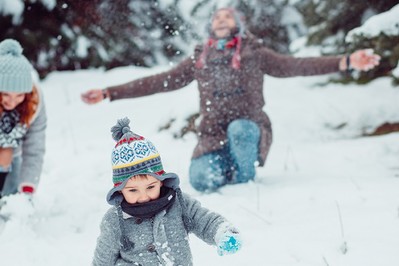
point(94, 96)
point(362, 60)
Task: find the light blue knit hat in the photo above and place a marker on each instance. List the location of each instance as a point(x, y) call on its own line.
point(15, 69)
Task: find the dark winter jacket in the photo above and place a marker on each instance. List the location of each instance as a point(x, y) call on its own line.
point(227, 94)
point(162, 240)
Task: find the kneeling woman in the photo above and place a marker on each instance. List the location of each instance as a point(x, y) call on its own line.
point(22, 123)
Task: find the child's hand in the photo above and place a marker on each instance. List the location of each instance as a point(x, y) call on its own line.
point(229, 243)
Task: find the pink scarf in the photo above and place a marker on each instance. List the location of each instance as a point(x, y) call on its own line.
point(234, 43)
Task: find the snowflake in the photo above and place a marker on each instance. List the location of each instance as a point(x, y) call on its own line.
point(126, 154)
point(141, 149)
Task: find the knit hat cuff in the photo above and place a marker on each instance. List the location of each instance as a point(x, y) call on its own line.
point(17, 83)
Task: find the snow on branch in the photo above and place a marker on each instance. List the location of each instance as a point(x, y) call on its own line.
point(386, 22)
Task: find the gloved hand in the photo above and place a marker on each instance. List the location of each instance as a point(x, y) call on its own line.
point(27, 189)
point(229, 242)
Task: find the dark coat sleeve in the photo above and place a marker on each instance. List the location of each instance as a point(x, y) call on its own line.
point(176, 78)
point(280, 65)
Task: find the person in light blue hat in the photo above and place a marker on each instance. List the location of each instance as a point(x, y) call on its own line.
point(22, 123)
point(150, 217)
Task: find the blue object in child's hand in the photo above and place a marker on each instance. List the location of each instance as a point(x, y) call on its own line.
point(229, 244)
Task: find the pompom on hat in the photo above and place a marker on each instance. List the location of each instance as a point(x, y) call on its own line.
point(134, 155)
point(15, 69)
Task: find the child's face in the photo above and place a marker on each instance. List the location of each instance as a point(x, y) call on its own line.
point(141, 189)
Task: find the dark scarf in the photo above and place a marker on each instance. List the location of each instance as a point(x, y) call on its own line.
point(149, 209)
point(8, 120)
point(125, 242)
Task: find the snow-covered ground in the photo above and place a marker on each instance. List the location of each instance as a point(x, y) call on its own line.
point(323, 188)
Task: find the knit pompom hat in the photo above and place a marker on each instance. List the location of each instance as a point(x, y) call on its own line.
point(134, 155)
point(15, 69)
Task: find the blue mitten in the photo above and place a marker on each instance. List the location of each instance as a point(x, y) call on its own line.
point(229, 242)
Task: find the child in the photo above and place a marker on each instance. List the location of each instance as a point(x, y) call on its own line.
point(151, 218)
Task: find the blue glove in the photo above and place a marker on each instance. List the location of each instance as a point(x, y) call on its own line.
point(229, 243)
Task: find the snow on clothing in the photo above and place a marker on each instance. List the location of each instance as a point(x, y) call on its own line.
point(161, 240)
point(227, 94)
point(213, 170)
point(153, 232)
point(28, 155)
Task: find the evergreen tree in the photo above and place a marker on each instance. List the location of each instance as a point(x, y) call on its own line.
point(329, 22)
point(80, 34)
point(263, 18)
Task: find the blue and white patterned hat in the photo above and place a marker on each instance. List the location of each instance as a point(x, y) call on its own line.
point(134, 155)
point(15, 69)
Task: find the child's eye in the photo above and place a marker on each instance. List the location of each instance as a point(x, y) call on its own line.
point(133, 190)
point(150, 187)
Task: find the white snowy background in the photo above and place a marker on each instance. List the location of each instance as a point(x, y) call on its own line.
point(326, 196)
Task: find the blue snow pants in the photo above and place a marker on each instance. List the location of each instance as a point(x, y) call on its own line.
point(235, 163)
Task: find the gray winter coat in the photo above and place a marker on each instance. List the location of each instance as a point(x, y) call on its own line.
point(31, 151)
point(33, 146)
point(162, 240)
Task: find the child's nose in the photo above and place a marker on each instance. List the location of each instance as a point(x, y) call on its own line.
point(143, 198)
